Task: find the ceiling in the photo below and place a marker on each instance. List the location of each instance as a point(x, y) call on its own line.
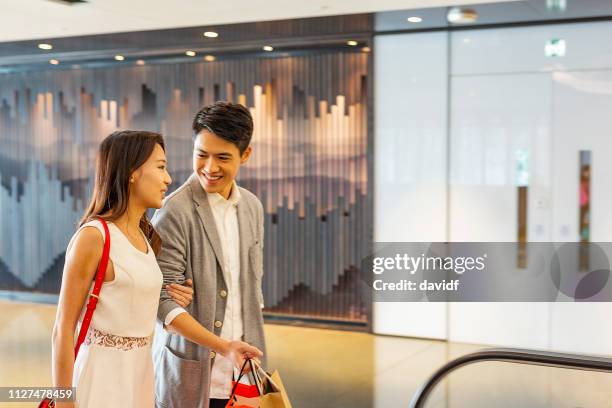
point(503, 13)
point(40, 19)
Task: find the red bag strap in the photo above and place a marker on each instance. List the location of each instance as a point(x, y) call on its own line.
point(95, 293)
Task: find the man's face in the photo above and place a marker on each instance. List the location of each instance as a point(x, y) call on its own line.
point(216, 162)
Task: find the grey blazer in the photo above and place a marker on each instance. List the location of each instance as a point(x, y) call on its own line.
point(191, 249)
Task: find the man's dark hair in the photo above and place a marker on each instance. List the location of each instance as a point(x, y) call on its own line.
point(230, 121)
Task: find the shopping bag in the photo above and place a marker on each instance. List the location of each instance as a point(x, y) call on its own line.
point(277, 396)
point(267, 391)
point(245, 395)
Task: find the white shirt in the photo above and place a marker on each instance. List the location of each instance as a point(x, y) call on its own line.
point(226, 221)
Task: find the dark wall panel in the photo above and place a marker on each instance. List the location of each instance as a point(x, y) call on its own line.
point(309, 166)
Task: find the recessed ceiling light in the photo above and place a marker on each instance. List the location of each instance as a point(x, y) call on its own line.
point(209, 58)
point(366, 49)
point(459, 15)
point(44, 46)
point(119, 57)
point(352, 43)
point(190, 53)
point(211, 34)
point(53, 62)
point(414, 19)
point(140, 62)
point(268, 48)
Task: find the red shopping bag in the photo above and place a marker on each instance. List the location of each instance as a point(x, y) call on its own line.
point(267, 392)
point(244, 395)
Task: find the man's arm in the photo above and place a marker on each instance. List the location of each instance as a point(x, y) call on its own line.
point(192, 330)
point(171, 259)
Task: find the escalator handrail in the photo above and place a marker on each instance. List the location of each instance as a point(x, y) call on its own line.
point(519, 356)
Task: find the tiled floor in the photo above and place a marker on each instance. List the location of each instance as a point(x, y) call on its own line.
point(327, 368)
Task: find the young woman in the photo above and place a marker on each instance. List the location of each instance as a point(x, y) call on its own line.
point(114, 365)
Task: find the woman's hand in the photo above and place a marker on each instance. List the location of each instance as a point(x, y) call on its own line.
point(183, 295)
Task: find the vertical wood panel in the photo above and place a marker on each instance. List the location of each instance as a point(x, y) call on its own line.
point(308, 165)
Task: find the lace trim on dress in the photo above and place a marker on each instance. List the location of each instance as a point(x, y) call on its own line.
point(100, 338)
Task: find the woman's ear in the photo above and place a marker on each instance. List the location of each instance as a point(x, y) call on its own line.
point(135, 176)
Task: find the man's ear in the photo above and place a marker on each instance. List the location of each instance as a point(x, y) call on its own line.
point(246, 154)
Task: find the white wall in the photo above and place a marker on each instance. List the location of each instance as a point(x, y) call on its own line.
point(582, 112)
point(505, 96)
point(519, 50)
point(410, 163)
point(494, 117)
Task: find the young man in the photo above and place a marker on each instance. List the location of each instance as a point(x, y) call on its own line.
point(212, 233)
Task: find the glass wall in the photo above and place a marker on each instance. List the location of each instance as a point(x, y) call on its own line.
point(525, 157)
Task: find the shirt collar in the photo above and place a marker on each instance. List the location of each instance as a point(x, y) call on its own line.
point(217, 199)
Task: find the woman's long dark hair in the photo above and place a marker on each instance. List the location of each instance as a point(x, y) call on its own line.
point(120, 154)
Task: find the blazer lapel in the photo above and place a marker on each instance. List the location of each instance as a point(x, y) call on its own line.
point(208, 221)
point(246, 241)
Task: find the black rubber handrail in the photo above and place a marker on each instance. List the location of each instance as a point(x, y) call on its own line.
point(519, 356)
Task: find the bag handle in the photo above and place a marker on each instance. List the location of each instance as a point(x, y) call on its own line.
point(232, 394)
point(241, 374)
point(261, 370)
point(258, 383)
point(94, 296)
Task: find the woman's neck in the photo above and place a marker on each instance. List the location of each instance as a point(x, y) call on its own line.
point(130, 219)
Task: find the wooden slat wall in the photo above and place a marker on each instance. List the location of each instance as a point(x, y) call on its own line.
point(309, 166)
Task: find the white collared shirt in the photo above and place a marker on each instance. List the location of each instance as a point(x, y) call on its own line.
point(226, 221)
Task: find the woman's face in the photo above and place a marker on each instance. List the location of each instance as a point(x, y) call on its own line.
point(149, 183)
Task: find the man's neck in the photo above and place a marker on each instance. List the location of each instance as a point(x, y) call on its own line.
point(228, 191)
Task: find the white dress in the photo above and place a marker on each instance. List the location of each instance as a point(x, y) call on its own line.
point(114, 367)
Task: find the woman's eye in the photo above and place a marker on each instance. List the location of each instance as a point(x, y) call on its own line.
point(162, 167)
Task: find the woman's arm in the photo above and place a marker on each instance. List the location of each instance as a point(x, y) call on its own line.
point(79, 271)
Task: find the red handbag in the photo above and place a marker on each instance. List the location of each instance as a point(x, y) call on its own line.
point(94, 296)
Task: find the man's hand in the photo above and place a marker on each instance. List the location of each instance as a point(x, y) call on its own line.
point(256, 363)
point(237, 351)
point(183, 295)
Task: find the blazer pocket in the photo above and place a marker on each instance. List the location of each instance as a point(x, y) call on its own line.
point(178, 380)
